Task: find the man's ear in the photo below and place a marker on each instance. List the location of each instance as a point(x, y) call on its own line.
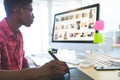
point(18, 11)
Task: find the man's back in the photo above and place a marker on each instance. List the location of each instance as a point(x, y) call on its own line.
point(11, 48)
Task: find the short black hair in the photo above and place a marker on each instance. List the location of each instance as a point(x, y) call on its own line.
point(9, 5)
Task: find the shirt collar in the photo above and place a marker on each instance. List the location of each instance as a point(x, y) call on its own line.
point(7, 29)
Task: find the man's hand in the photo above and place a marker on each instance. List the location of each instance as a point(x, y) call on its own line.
point(54, 69)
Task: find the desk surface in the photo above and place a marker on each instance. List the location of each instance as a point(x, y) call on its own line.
point(100, 75)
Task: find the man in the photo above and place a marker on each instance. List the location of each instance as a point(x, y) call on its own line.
point(19, 12)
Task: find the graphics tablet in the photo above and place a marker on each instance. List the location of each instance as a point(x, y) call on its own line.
point(76, 74)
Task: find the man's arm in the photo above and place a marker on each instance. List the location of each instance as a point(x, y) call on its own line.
point(24, 74)
point(47, 72)
point(25, 63)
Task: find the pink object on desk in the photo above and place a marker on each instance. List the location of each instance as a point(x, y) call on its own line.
point(99, 25)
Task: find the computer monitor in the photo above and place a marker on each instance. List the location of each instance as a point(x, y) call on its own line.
point(74, 29)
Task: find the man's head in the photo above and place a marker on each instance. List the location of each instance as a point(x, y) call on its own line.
point(21, 9)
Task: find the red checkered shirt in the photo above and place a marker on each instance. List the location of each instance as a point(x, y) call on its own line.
point(11, 48)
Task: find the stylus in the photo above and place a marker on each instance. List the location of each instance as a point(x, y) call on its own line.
point(54, 57)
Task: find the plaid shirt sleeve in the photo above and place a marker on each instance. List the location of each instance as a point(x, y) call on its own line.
point(25, 62)
point(0, 55)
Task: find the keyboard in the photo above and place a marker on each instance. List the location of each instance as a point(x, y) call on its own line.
point(110, 63)
point(40, 59)
point(68, 58)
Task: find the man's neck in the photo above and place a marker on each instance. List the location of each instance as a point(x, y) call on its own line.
point(13, 25)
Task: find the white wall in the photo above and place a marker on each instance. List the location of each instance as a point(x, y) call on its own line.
point(2, 11)
point(36, 36)
point(109, 12)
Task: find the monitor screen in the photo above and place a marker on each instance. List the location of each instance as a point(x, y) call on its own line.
point(75, 25)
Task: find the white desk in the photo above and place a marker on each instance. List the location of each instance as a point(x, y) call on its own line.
point(100, 75)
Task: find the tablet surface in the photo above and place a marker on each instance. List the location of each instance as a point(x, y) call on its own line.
point(76, 74)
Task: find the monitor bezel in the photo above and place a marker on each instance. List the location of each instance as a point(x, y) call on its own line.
point(81, 8)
